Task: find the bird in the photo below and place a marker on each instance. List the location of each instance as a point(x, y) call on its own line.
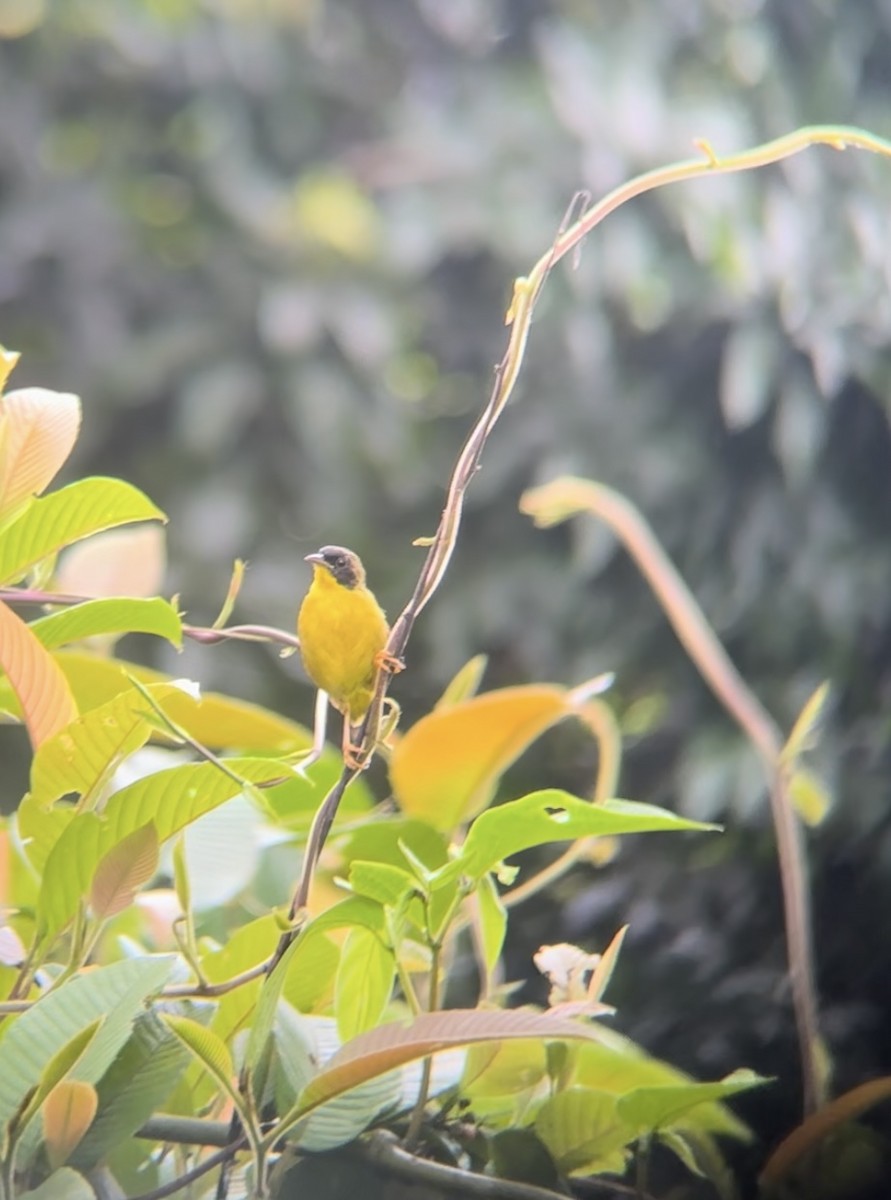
point(343, 634)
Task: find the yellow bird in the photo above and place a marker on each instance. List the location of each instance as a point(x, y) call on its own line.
point(343, 635)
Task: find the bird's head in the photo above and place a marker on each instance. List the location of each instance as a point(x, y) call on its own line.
point(344, 566)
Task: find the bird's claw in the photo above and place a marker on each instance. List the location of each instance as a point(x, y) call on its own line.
point(385, 661)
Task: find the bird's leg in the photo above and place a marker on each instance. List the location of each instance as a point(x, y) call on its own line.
point(319, 727)
point(352, 754)
point(388, 662)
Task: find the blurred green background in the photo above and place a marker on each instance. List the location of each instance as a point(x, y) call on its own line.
point(270, 243)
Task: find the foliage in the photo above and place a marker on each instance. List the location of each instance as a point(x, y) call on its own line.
point(120, 1005)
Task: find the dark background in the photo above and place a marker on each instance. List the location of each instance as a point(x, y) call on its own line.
point(271, 244)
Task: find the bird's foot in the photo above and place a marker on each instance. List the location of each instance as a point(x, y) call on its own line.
point(384, 661)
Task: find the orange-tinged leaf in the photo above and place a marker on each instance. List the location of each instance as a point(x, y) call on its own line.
point(39, 429)
point(118, 562)
point(821, 1123)
point(40, 686)
point(445, 769)
point(123, 870)
point(68, 1113)
point(389, 1046)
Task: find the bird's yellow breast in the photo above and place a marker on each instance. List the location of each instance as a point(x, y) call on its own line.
point(341, 629)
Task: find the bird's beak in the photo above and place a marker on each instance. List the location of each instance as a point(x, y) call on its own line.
point(314, 558)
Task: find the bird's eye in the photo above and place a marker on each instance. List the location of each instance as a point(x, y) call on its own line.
point(340, 561)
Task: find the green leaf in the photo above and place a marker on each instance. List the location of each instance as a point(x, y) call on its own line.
point(210, 1051)
point(63, 1184)
point(555, 816)
point(28, 1044)
point(118, 615)
point(804, 732)
point(296, 1050)
point(583, 1129)
point(84, 755)
point(136, 1084)
point(364, 983)
point(74, 512)
point(492, 917)
point(465, 684)
point(650, 1108)
point(382, 882)
point(171, 799)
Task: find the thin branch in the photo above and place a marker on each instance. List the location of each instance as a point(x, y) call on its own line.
point(562, 498)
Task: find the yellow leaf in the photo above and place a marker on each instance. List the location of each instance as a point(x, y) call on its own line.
point(38, 429)
point(809, 796)
point(445, 769)
point(806, 728)
point(68, 1112)
point(41, 688)
point(8, 360)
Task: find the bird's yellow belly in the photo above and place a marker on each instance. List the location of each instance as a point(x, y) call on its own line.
point(341, 631)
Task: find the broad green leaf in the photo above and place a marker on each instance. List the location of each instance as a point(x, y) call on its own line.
point(136, 1084)
point(118, 615)
point(81, 758)
point(39, 686)
point(616, 1064)
point(555, 816)
point(123, 871)
point(28, 1044)
point(446, 767)
point(216, 721)
point(40, 828)
point(66, 516)
point(650, 1108)
point(209, 1050)
point(583, 1130)
point(382, 882)
point(492, 920)
point(389, 1046)
point(170, 799)
point(68, 1112)
point(364, 982)
point(63, 1184)
point(38, 429)
point(296, 1050)
point(64, 1061)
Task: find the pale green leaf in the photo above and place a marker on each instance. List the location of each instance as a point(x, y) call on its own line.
point(84, 755)
point(582, 1128)
point(209, 1050)
point(804, 731)
point(136, 1084)
point(809, 795)
point(74, 512)
point(556, 816)
point(171, 799)
point(492, 919)
point(465, 684)
point(117, 615)
point(63, 1184)
point(28, 1044)
point(364, 982)
point(650, 1108)
point(387, 884)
